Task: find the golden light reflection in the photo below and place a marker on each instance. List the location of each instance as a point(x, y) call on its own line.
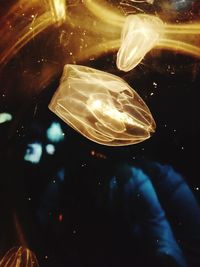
point(193, 28)
point(19, 257)
point(102, 107)
point(23, 22)
point(179, 46)
point(58, 8)
point(26, 20)
point(183, 38)
point(39, 37)
point(170, 35)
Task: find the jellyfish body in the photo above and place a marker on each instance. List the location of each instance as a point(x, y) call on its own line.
point(102, 107)
point(139, 35)
point(19, 257)
point(4, 117)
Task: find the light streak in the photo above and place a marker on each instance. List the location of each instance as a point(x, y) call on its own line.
point(180, 46)
point(55, 133)
point(4, 117)
point(19, 256)
point(96, 26)
point(189, 29)
point(25, 35)
point(58, 8)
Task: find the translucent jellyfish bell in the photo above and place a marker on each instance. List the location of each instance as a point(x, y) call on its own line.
point(102, 107)
point(4, 117)
point(19, 257)
point(139, 35)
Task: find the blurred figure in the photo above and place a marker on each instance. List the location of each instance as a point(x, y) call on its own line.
point(160, 201)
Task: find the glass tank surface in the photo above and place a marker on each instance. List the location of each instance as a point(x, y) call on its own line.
point(99, 128)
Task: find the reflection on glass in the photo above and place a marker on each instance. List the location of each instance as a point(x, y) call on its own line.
point(50, 149)
point(33, 153)
point(55, 133)
point(19, 257)
point(102, 107)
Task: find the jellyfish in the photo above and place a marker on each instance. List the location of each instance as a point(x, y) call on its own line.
point(102, 107)
point(139, 35)
point(4, 117)
point(19, 257)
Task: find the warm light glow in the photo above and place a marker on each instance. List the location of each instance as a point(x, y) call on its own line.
point(179, 46)
point(26, 20)
point(111, 112)
point(139, 35)
point(58, 8)
point(191, 29)
point(23, 22)
point(50, 149)
point(33, 153)
point(102, 107)
point(154, 34)
point(19, 257)
point(105, 13)
point(55, 133)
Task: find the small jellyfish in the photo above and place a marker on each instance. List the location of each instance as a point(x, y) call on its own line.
point(139, 35)
point(102, 107)
point(19, 257)
point(55, 133)
point(4, 117)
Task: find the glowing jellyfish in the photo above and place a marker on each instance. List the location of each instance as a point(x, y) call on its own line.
point(19, 257)
point(4, 117)
point(55, 133)
point(139, 35)
point(58, 8)
point(33, 153)
point(102, 107)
